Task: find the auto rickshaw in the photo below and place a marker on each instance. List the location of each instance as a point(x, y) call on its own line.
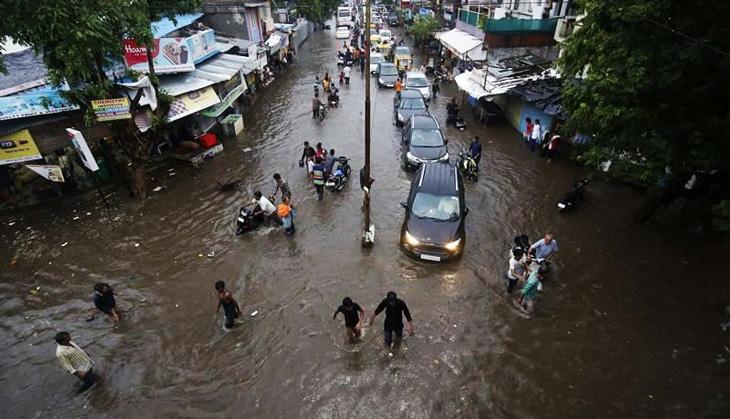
point(402, 58)
point(384, 48)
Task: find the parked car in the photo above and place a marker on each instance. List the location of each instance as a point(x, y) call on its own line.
point(393, 19)
point(433, 227)
point(410, 103)
point(375, 59)
point(423, 141)
point(342, 32)
point(417, 80)
point(387, 74)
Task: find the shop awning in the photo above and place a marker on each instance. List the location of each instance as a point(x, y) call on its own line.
point(467, 82)
point(183, 83)
point(463, 45)
point(191, 102)
point(165, 26)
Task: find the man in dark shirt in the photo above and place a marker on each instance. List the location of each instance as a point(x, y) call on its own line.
point(353, 318)
point(103, 298)
point(394, 308)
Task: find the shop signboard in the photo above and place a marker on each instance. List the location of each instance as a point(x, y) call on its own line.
point(202, 45)
point(18, 147)
point(191, 102)
point(83, 149)
point(111, 109)
point(169, 55)
point(229, 91)
point(51, 172)
point(34, 104)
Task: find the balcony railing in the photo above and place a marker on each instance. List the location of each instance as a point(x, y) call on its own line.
point(519, 26)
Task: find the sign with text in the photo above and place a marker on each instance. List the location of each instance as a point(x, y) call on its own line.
point(51, 172)
point(189, 103)
point(169, 55)
point(18, 147)
point(111, 109)
point(83, 149)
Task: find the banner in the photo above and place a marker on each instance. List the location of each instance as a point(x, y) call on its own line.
point(202, 45)
point(192, 102)
point(228, 91)
point(83, 149)
point(33, 104)
point(111, 109)
point(169, 55)
point(48, 171)
point(17, 147)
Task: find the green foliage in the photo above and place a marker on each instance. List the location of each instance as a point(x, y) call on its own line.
point(423, 27)
point(651, 97)
point(317, 11)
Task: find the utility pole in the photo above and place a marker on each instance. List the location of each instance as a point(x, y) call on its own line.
point(368, 234)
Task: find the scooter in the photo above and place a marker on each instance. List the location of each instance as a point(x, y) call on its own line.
point(456, 121)
point(322, 111)
point(438, 76)
point(339, 176)
point(333, 99)
point(572, 198)
point(468, 166)
point(247, 220)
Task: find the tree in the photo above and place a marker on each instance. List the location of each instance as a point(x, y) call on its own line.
point(79, 39)
point(423, 27)
point(655, 88)
point(317, 11)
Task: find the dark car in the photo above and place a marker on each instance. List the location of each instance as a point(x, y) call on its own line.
point(393, 19)
point(433, 228)
point(423, 142)
point(410, 103)
point(387, 74)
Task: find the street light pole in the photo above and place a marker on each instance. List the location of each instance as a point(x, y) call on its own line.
point(368, 234)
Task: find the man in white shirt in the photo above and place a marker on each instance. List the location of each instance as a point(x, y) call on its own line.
point(347, 70)
point(517, 269)
point(266, 207)
point(74, 360)
point(536, 135)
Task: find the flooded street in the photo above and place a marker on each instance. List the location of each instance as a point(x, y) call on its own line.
point(627, 325)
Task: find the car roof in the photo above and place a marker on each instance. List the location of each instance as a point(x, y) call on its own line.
point(411, 93)
point(387, 64)
point(375, 54)
point(424, 122)
point(437, 178)
point(415, 74)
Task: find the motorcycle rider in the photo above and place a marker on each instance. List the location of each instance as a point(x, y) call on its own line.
point(266, 207)
point(334, 96)
point(307, 154)
point(329, 163)
point(475, 149)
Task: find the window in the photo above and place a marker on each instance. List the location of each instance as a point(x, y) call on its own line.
point(437, 207)
point(427, 138)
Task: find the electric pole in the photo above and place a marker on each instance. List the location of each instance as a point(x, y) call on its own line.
point(368, 235)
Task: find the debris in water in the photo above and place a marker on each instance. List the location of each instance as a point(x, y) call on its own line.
point(177, 305)
point(158, 189)
point(64, 244)
point(254, 313)
point(14, 261)
point(390, 354)
point(211, 254)
point(142, 300)
point(88, 213)
point(76, 218)
point(136, 245)
point(200, 255)
point(247, 149)
point(172, 173)
point(12, 223)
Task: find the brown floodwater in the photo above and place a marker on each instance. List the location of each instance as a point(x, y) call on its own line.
point(627, 326)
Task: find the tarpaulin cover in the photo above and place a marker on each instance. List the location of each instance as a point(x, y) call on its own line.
point(25, 71)
point(165, 26)
point(463, 44)
point(544, 94)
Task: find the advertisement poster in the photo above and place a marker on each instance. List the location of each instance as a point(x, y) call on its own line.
point(111, 109)
point(82, 148)
point(17, 147)
point(202, 45)
point(170, 55)
point(33, 104)
point(48, 171)
point(192, 102)
point(228, 91)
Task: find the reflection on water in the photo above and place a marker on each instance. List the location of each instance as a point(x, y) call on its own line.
point(623, 325)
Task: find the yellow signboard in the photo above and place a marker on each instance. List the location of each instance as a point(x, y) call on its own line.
point(17, 147)
point(111, 109)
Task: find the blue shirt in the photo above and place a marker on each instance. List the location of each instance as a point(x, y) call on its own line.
point(543, 250)
point(475, 149)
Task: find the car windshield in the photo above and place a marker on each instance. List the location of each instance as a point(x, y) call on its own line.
point(427, 138)
point(388, 70)
point(385, 34)
point(417, 82)
point(403, 51)
point(437, 207)
point(376, 59)
point(412, 103)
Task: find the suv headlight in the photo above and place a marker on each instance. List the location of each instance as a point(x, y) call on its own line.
point(445, 157)
point(401, 118)
point(452, 246)
point(411, 158)
point(410, 239)
point(380, 80)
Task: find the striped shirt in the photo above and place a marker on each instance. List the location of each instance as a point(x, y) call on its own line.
point(73, 358)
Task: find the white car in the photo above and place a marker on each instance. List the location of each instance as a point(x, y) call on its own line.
point(343, 32)
point(385, 34)
point(417, 80)
point(375, 59)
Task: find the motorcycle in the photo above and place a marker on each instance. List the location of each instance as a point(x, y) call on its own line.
point(572, 198)
point(468, 166)
point(522, 242)
point(438, 75)
point(339, 176)
point(343, 61)
point(247, 220)
point(333, 99)
point(456, 121)
point(322, 111)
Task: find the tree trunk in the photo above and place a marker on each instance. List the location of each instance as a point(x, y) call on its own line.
point(139, 186)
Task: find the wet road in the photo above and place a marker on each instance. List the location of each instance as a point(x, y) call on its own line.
point(625, 327)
